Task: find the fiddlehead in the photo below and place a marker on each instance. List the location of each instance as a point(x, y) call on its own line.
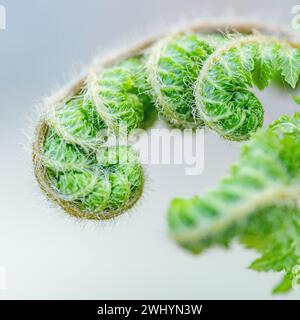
point(117, 97)
point(222, 93)
point(87, 179)
point(173, 68)
point(257, 203)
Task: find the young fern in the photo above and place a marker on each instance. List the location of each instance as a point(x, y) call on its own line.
point(173, 67)
point(222, 93)
point(197, 77)
point(257, 203)
point(86, 178)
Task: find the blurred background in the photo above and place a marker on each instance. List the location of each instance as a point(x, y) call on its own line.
point(45, 254)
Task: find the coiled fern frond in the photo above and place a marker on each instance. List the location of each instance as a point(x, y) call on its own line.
point(195, 78)
point(222, 93)
point(73, 165)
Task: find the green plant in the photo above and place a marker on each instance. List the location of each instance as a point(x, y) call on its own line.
point(193, 79)
point(257, 203)
point(91, 180)
point(222, 91)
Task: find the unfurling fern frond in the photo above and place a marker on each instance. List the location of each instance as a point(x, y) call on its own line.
point(258, 203)
point(222, 93)
point(173, 67)
point(73, 166)
point(194, 78)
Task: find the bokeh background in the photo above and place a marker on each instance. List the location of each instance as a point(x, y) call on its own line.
point(48, 255)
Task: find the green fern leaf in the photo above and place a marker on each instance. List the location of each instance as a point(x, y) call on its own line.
point(296, 99)
point(289, 62)
point(257, 203)
point(263, 66)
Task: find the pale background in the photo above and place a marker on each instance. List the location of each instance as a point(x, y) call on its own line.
point(48, 255)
